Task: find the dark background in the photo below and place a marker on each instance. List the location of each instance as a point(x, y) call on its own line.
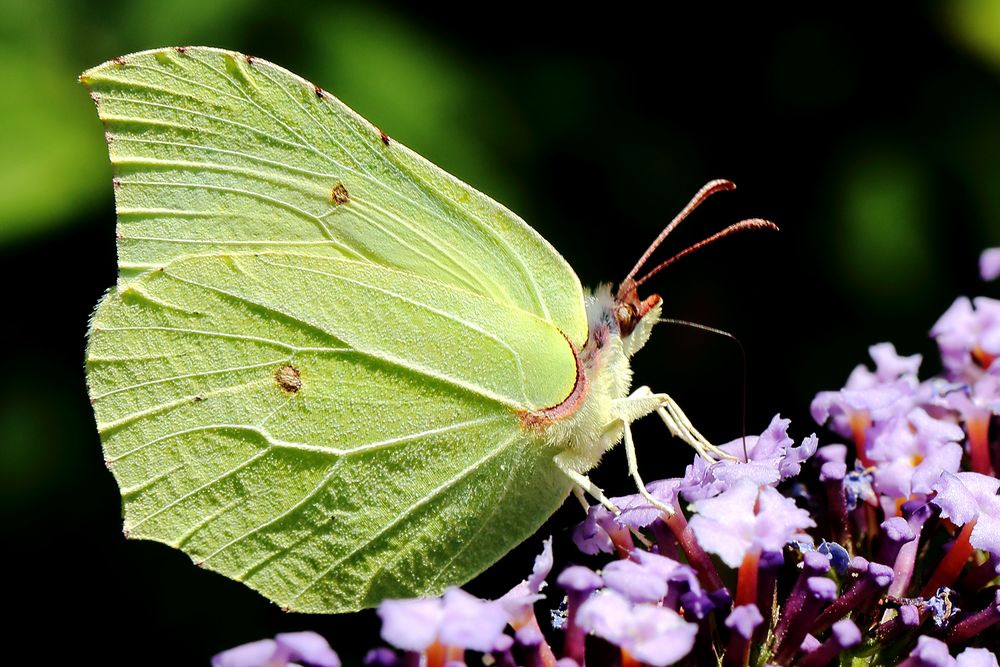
point(872, 138)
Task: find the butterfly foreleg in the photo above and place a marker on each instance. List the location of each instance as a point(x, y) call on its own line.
point(675, 420)
point(633, 470)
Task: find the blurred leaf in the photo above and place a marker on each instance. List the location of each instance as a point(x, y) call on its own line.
point(153, 23)
point(975, 24)
point(50, 136)
point(55, 160)
point(883, 226)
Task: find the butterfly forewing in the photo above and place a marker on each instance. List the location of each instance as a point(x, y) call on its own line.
point(215, 152)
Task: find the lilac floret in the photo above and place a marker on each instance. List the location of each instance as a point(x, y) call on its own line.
point(290, 648)
point(890, 365)
point(669, 569)
point(878, 395)
point(976, 657)
point(579, 578)
point(846, 633)
point(832, 453)
point(411, 625)
point(659, 636)
point(635, 582)
point(968, 335)
point(765, 460)
point(307, 648)
point(637, 512)
point(698, 605)
point(605, 614)
point(542, 567)
point(909, 615)
point(744, 620)
point(651, 634)
point(744, 517)
point(591, 535)
point(911, 450)
point(968, 496)
point(253, 654)
point(931, 652)
point(519, 600)
point(470, 622)
point(989, 264)
point(380, 657)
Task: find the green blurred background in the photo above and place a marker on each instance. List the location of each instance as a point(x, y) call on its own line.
point(872, 138)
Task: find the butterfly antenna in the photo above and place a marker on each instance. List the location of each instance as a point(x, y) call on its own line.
point(706, 191)
point(743, 358)
point(742, 225)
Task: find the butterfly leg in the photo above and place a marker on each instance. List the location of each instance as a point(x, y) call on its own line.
point(678, 424)
point(676, 421)
point(583, 483)
point(633, 470)
point(578, 492)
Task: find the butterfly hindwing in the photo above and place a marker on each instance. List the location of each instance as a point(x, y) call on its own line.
point(289, 440)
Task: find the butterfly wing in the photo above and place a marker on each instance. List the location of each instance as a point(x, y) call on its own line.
point(215, 152)
point(330, 431)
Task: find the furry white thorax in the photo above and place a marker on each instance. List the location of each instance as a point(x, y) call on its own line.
point(597, 425)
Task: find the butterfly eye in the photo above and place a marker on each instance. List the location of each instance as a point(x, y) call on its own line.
point(626, 315)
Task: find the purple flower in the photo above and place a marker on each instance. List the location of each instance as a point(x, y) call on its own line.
point(579, 578)
point(593, 534)
point(930, 652)
point(634, 581)
point(470, 622)
point(636, 512)
point(651, 634)
point(519, 600)
point(971, 496)
point(977, 657)
point(766, 459)
point(411, 625)
point(457, 619)
point(744, 620)
point(744, 517)
point(868, 395)
point(968, 335)
point(645, 576)
point(911, 451)
point(299, 648)
point(989, 264)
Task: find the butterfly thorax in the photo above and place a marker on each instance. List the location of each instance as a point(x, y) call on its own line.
point(617, 328)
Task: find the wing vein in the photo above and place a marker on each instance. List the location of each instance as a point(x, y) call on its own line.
point(432, 495)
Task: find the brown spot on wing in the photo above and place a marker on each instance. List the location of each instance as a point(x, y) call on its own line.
point(384, 137)
point(181, 49)
point(120, 61)
point(339, 194)
point(288, 378)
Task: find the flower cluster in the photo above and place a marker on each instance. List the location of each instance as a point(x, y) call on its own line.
point(883, 550)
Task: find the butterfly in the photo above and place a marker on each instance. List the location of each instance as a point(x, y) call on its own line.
point(329, 369)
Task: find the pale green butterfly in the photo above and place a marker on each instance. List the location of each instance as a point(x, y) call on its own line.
point(329, 369)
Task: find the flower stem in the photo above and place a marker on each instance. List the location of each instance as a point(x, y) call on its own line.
point(951, 565)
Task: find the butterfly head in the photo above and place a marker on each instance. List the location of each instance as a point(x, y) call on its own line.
point(635, 316)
